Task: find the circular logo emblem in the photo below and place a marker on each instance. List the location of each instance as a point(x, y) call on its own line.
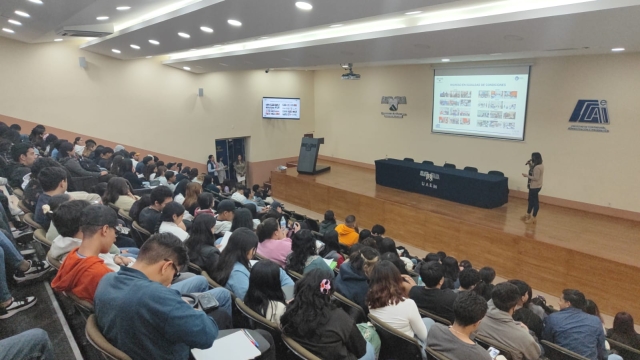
point(603, 103)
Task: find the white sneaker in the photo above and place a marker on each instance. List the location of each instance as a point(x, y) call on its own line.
point(16, 306)
point(36, 270)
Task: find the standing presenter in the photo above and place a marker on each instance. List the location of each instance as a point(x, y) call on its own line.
point(534, 184)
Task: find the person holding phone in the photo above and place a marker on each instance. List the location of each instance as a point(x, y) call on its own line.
point(534, 184)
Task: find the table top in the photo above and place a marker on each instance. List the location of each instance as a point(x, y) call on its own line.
point(442, 170)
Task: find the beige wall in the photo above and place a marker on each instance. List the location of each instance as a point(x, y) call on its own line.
point(148, 105)
point(592, 168)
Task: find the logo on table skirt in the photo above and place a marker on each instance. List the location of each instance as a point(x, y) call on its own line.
point(394, 104)
point(429, 177)
point(593, 112)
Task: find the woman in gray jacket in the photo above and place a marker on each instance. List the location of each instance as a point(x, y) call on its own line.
point(534, 184)
point(68, 160)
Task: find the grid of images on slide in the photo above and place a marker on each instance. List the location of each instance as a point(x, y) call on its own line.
point(494, 106)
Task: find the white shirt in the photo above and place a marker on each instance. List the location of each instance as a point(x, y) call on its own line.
point(404, 317)
point(238, 197)
point(170, 227)
point(179, 199)
point(163, 180)
point(225, 240)
point(222, 227)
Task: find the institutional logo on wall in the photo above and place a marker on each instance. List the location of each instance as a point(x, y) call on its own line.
point(394, 103)
point(594, 112)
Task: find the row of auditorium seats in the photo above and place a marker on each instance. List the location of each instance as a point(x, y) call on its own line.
point(453, 166)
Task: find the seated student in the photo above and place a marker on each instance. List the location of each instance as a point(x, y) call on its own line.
point(208, 184)
point(205, 204)
point(119, 194)
point(318, 325)
point(54, 204)
point(226, 210)
point(171, 221)
point(128, 173)
point(389, 245)
point(348, 232)
point(469, 278)
point(407, 281)
point(575, 330)
point(239, 194)
point(150, 215)
point(451, 273)
point(54, 182)
point(386, 301)
point(138, 206)
point(485, 286)
point(241, 219)
point(67, 220)
point(525, 309)
point(105, 158)
point(190, 202)
point(254, 214)
point(183, 174)
point(160, 175)
point(141, 315)
point(525, 301)
point(304, 254)
point(499, 325)
point(232, 269)
point(140, 166)
point(331, 248)
point(623, 330)
point(31, 344)
point(68, 160)
point(353, 279)
point(181, 191)
point(150, 172)
point(430, 297)
point(171, 179)
point(455, 342)
point(274, 245)
point(378, 230)
point(23, 156)
point(201, 243)
point(265, 295)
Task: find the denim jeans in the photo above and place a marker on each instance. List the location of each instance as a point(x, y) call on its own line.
point(198, 284)
point(29, 345)
point(370, 354)
point(8, 255)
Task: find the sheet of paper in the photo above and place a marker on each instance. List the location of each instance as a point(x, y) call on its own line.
point(231, 347)
point(240, 178)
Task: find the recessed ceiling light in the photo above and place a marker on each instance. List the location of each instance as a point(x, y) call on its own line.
point(446, 60)
point(123, 8)
point(39, 2)
point(206, 29)
point(116, 51)
point(234, 22)
point(186, 68)
point(617, 49)
point(57, 40)
point(413, 12)
point(133, 46)
point(15, 22)
point(8, 30)
point(22, 13)
point(335, 25)
point(184, 35)
point(154, 42)
point(101, 18)
point(304, 5)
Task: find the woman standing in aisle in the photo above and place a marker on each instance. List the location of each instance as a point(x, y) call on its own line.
point(221, 168)
point(240, 166)
point(534, 184)
point(211, 167)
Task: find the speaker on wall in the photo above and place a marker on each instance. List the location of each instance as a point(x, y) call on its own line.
point(200, 92)
point(83, 62)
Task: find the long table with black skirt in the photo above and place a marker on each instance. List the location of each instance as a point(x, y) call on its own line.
point(465, 187)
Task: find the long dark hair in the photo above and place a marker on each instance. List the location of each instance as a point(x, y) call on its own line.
point(148, 170)
point(126, 166)
point(331, 243)
point(116, 165)
point(264, 287)
point(329, 217)
point(536, 158)
point(240, 243)
point(116, 187)
point(181, 187)
point(266, 229)
point(242, 219)
point(303, 245)
point(200, 233)
point(310, 309)
point(385, 286)
point(252, 209)
point(170, 209)
point(623, 329)
point(451, 271)
point(485, 286)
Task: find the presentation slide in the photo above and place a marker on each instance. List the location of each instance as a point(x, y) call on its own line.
point(485, 102)
point(280, 108)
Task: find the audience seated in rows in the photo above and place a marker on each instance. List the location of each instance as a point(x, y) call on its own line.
point(623, 330)
point(233, 267)
point(353, 280)
point(128, 173)
point(226, 210)
point(53, 182)
point(431, 297)
point(455, 342)
point(499, 325)
point(274, 244)
point(304, 254)
point(23, 156)
point(119, 194)
point(319, 326)
point(69, 160)
point(331, 248)
point(150, 215)
point(241, 219)
point(348, 233)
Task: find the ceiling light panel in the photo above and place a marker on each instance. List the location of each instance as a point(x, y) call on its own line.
point(206, 29)
point(134, 46)
point(22, 13)
point(184, 35)
point(102, 18)
point(234, 22)
point(8, 30)
point(15, 22)
point(154, 42)
point(304, 5)
point(39, 2)
point(123, 8)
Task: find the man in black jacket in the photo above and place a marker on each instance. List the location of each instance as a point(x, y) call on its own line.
point(23, 155)
point(430, 297)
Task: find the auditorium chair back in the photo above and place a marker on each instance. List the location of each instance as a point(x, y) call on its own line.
point(40, 235)
point(96, 339)
point(395, 344)
point(508, 352)
point(298, 350)
point(627, 352)
point(257, 321)
point(434, 317)
point(555, 352)
point(139, 234)
point(434, 355)
point(352, 309)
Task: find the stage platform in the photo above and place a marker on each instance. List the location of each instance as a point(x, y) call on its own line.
point(597, 254)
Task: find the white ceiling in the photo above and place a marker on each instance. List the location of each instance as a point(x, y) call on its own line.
point(374, 32)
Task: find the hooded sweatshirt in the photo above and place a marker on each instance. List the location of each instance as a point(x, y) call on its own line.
point(352, 285)
point(326, 226)
point(80, 275)
point(346, 235)
point(501, 327)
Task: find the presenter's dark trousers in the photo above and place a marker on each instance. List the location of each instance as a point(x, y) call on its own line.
point(534, 202)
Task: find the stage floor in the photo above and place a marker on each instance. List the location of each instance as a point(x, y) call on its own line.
point(572, 245)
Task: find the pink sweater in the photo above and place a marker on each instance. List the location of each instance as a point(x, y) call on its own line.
point(275, 250)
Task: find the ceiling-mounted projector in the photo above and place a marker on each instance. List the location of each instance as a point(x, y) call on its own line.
point(350, 75)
